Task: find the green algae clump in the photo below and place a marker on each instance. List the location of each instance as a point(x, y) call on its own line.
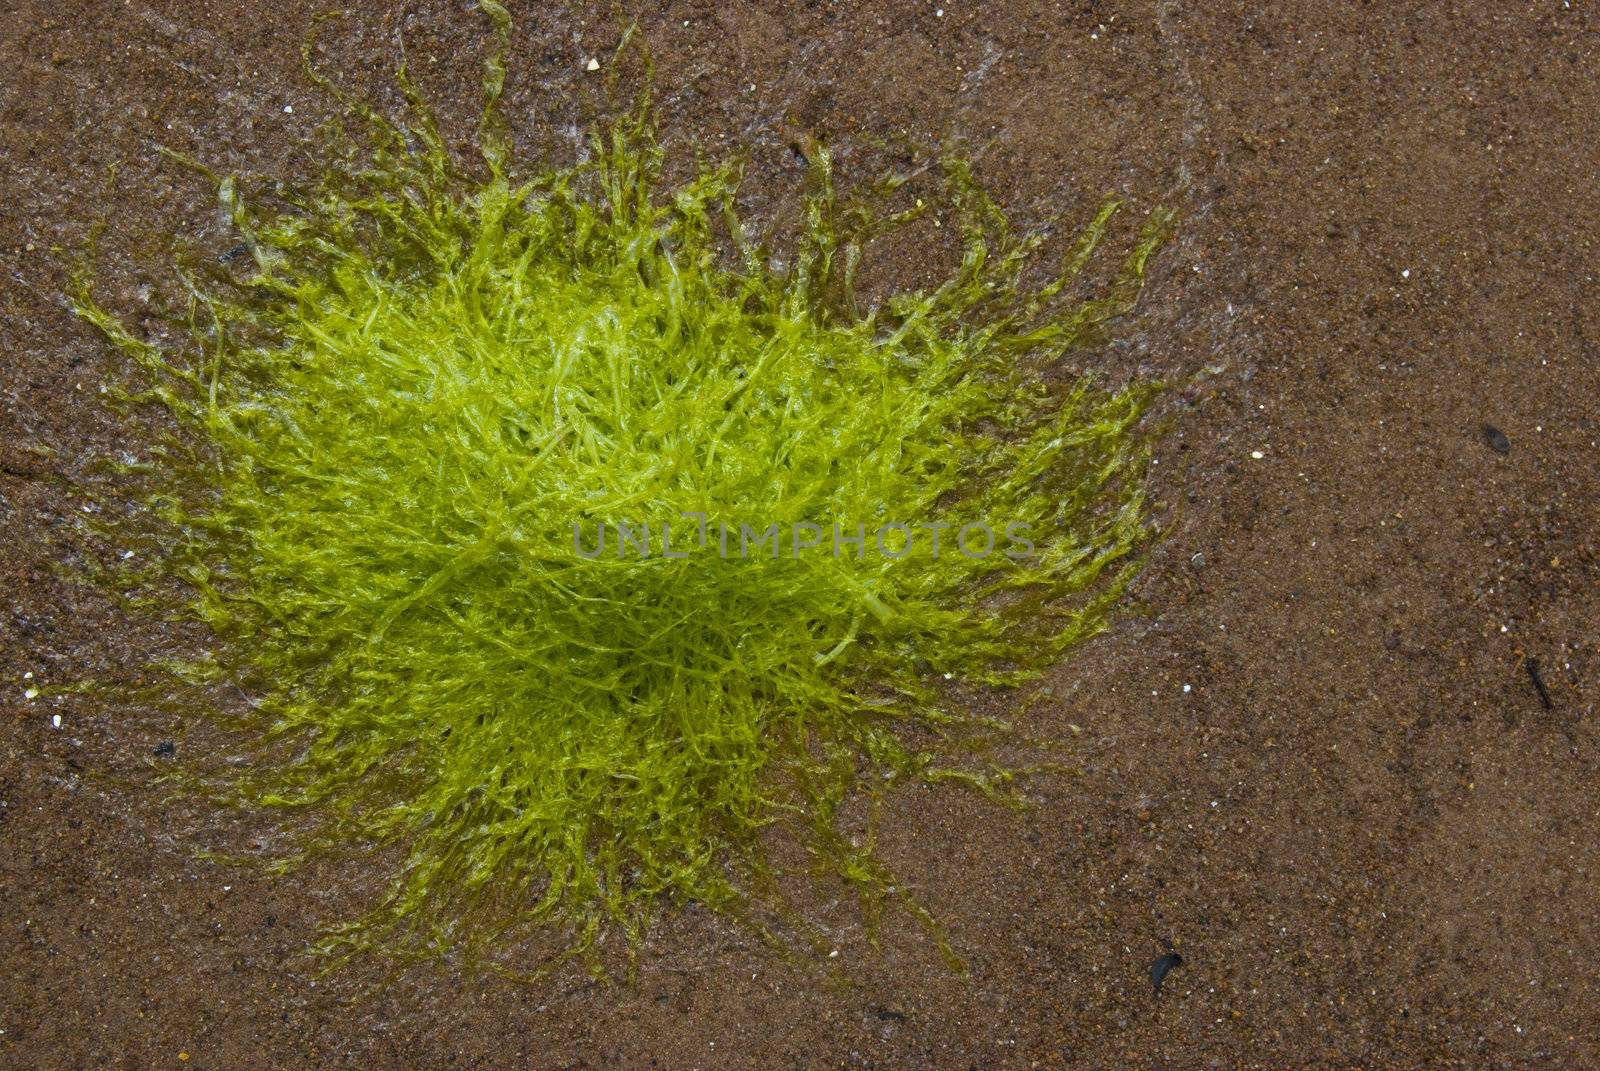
point(404, 422)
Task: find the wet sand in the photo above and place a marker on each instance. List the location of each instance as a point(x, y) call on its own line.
point(1312, 759)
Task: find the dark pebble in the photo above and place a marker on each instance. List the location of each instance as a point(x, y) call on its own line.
point(1531, 664)
point(1496, 439)
point(1160, 966)
point(164, 749)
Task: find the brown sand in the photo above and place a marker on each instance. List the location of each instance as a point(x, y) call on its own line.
point(1370, 842)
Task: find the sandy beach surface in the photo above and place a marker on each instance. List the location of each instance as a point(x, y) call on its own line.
point(1313, 759)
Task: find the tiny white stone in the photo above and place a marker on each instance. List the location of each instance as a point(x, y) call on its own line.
point(288, 109)
point(1406, 274)
point(55, 721)
point(594, 65)
point(938, 13)
point(1186, 688)
point(1257, 454)
point(28, 676)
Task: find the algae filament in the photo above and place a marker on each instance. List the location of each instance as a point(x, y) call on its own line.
point(395, 412)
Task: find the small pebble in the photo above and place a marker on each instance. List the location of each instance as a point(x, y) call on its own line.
point(1257, 455)
point(1496, 439)
point(1160, 967)
point(593, 65)
point(55, 721)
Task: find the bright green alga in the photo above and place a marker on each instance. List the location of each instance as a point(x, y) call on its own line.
point(424, 379)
